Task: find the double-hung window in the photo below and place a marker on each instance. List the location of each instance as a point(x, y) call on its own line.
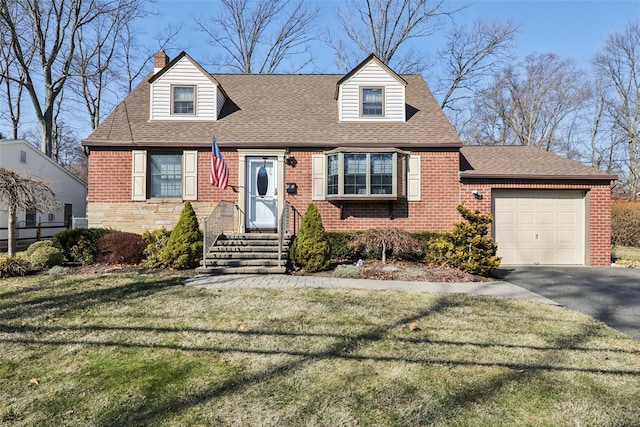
point(372, 102)
point(165, 175)
point(365, 175)
point(184, 99)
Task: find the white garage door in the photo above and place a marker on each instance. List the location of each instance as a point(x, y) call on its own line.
point(539, 227)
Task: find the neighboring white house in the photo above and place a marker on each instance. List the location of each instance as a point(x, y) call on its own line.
point(24, 159)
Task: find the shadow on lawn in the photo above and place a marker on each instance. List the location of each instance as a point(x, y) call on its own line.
point(154, 411)
point(69, 300)
point(345, 349)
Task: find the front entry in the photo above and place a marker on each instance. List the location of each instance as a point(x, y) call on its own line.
point(262, 194)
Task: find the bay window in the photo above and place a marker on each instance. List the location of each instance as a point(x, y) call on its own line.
point(365, 175)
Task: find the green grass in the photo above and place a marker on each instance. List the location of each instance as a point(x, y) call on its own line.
point(129, 350)
point(627, 256)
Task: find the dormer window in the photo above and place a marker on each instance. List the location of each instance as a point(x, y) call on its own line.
point(184, 100)
point(372, 102)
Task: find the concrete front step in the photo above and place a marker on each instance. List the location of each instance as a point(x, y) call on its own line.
point(242, 262)
point(238, 248)
point(239, 245)
point(246, 255)
point(241, 270)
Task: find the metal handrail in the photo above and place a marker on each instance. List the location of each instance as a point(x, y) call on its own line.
point(219, 221)
point(283, 228)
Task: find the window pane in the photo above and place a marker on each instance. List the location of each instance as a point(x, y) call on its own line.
point(372, 102)
point(355, 174)
point(381, 173)
point(183, 100)
point(332, 174)
point(165, 172)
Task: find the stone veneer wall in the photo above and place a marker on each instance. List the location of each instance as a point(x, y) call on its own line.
point(138, 217)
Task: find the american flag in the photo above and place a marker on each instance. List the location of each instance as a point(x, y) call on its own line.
point(219, 171)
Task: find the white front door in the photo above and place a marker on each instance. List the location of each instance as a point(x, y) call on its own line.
point(262, 195)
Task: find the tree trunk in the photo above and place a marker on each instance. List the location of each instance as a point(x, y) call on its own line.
point(11, 232)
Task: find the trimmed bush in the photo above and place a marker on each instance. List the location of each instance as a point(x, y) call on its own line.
point(156, 241)
point(467, 248)
point(13, 266)
point(625, 223)
point(43, 254)
point(79, 245)
point(120, 248)
point(184, 247)
point(310, 249)
point(340, 250)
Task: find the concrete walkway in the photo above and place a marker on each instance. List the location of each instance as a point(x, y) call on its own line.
point(497, 288)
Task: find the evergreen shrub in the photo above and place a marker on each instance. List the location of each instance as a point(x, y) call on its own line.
point(467, 248)
point(184, 247)
point(43, 254)
point(311, 249)
point(156, 241)
point(79, 245)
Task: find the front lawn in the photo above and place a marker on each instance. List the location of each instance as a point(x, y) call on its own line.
point(133, 349)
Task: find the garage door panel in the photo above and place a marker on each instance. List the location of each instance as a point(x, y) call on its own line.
point(525, 218)
point(539, 227)
point(524, 237)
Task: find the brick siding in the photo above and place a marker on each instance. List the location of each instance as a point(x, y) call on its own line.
point(110, 205)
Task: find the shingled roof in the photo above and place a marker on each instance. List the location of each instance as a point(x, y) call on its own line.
point(522, 162)
point(278, 110)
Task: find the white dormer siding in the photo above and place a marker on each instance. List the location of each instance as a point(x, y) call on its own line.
point(371, 75)
point(208, 96)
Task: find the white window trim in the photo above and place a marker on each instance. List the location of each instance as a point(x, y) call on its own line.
point(368, 196)
point(362, 115)
point(195, 100)
point(139, 178)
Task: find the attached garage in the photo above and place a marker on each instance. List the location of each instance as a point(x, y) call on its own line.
point(539, 227)
point(547, 210)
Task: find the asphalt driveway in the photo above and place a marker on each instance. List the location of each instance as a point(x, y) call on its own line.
point(611, 295)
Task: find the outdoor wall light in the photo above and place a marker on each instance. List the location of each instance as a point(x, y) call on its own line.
point(289, 159)
point(476, 194)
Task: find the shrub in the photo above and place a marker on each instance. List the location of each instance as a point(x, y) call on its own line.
point(44, 255)
point(347, 272)
point(13, 266)
point(120, 248)
point(184, 247)
point(384, 241)
point(340, 251)
point(625, 223)
point(310, 249)
point(156, 241)
point(467, 248)
point(79, 245)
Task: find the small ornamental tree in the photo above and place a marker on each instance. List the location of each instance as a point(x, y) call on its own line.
point(311, 249)
point(184, 247)
point(383, 241)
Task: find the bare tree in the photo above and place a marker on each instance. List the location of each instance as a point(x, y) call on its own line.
point(18, 192)
point(532, 104)
point(471, 53)
point(52, 30)
point(618, 69)
point(258, 35)
point(12, 77)
point(383, 27)
point(136, 57)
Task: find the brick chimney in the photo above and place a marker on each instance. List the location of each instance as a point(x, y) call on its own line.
point(160, 60)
